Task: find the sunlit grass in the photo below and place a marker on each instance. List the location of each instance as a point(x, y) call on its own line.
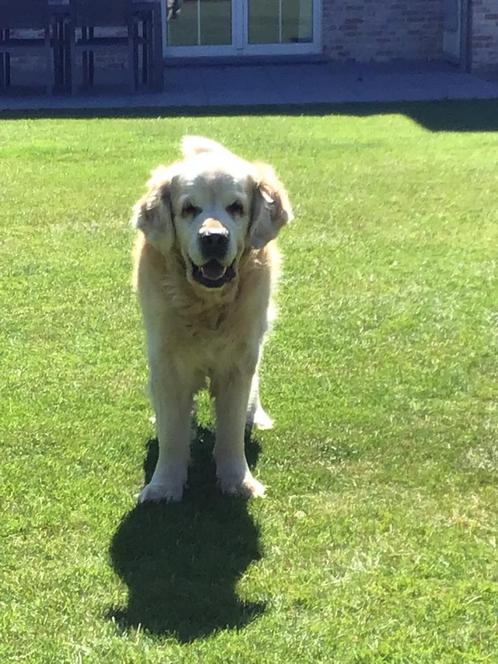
point(377, 541)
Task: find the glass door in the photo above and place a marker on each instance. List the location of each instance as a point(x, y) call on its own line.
point(280, 24)
point(200, 27)
point(242, 27)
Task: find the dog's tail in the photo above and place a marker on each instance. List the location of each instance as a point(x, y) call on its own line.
point(194, 145)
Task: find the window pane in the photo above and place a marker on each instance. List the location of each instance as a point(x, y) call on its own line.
point(297, 21)
point(182, 31)
point(216, 22)
point(264, 22)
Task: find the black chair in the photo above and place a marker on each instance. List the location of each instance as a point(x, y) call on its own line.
point(87, 16)
point(24, 16)
point(139, 30)
point(148, 44)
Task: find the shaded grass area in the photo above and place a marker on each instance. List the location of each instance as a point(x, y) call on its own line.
point(453, 116)
point(377, 541)
point(189, 540)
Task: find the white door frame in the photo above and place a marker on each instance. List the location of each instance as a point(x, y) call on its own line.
point(240, 31)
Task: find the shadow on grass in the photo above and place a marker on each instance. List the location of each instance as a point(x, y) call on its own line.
point(181, 562)
point(473, 115)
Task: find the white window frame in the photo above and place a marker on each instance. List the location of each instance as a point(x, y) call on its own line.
point(240, 32)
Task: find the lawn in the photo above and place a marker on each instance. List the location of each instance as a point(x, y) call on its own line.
point(377, 541)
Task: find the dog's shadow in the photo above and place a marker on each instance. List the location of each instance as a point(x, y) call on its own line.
point(181, 562)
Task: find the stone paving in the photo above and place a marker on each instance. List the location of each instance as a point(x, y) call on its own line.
point(273, 84)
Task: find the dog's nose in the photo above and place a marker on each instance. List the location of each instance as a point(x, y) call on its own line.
point(213, 242)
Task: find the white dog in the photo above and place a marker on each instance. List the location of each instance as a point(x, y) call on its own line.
point(205, 268)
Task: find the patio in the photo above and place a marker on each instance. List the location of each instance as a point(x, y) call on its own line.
point(273, 84)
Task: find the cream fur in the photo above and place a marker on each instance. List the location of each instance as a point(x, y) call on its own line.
point(199, 336)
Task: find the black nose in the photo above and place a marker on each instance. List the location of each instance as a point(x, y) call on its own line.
point(214, 244)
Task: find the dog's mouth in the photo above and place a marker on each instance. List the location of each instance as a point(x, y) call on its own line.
point(213, 274)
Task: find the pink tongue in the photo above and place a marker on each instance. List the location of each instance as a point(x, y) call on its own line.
point(213, 270)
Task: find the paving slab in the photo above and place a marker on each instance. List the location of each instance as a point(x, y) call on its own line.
point(204, 86)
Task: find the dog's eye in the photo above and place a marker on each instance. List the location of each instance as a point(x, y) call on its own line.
point(235, 208)
point(190, 210)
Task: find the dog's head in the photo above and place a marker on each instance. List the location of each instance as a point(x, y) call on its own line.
point(211, 207)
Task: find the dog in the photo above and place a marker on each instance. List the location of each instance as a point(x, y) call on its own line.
point(205, 269)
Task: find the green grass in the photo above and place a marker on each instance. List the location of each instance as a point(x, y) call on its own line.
point(377, 541)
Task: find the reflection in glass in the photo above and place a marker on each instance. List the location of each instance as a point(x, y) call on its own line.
point(264, 18)
point(182, 31)
point(216, 22)
point(297, 21)
point(280, 21)
point(202, 23)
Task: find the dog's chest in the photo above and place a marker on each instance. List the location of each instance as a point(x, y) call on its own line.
point(213, 337)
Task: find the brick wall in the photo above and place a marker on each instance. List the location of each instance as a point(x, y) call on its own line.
point(484, 40)
point(383, 30)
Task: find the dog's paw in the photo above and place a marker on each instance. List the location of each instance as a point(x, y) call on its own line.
point(155, 492)
point(261, 420)
point(234, 482)
point(248, 487)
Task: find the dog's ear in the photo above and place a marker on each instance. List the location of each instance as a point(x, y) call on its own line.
point(271, 208)
point(152, 213)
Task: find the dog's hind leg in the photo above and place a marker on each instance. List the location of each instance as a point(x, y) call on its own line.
point(256, 414)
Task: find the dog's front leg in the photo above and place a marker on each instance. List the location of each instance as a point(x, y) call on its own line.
point(172, 399)
point(232, 397)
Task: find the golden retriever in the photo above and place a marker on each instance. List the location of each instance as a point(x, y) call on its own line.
point(206, 266)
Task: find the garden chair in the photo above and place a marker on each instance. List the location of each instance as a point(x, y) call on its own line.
point(18, 20)
point(87, 18)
